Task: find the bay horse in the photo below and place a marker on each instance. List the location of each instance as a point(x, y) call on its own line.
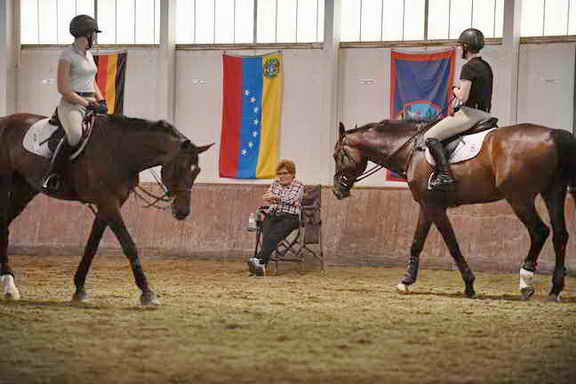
point(103, 175)
point(516, 163)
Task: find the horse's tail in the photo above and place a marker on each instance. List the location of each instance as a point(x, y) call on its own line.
point(566, 145)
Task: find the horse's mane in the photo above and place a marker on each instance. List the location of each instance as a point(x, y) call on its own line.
point(386, 124)
point(133, 124)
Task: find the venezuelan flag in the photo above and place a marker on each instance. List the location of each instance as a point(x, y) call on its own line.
point(251, 115)
point(110, 78)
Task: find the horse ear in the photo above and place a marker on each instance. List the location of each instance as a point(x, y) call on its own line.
point(342, 130)
point(186, 145)
point(204, 148)
point(163, 124)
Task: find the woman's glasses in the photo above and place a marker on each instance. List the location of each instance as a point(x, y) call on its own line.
point(282, 173)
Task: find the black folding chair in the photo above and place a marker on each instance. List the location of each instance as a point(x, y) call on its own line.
point(302, 240)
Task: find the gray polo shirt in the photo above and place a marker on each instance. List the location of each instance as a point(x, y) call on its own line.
point(82, 69)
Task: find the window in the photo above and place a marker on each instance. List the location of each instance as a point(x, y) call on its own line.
point(401, 20)
point(548, 17)
point(122, 21)
point(47, 21)
point(233, 21)
point(128, 21)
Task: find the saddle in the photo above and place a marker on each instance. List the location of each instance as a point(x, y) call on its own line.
point(59, 133)
point(452, 142)
point(465, 145)
point(482, 125)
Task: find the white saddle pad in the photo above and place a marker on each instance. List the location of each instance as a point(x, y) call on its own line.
point(467, 148)
point(36, 139)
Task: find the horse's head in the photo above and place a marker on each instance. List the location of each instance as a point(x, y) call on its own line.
point(350, 163)
point(179, 174)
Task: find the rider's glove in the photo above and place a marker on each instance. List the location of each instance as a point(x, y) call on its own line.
point(100, 107)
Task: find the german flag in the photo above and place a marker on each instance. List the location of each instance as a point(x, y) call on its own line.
point(110, 78)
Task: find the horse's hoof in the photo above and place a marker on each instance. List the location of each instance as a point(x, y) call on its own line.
point(81, 297)
point(553, 298)
point(11, 292)
point(527, 293)
point(470, 293)
point(12, 296)
point(149, 299)
point(402, 288)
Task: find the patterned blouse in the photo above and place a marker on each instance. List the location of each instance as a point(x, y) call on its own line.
point(290, 197)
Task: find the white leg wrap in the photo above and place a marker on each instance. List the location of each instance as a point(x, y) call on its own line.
point(402, 288)
point(526, 278)
point(9, 288)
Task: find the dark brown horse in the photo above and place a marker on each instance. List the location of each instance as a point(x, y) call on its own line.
point(516, 163)
point(103, 175)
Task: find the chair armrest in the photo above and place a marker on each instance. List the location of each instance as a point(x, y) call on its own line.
point(261, 212)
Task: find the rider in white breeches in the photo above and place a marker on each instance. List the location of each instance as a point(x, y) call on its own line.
point(80, 93)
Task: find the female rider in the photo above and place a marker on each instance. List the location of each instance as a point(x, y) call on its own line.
point(80, 93)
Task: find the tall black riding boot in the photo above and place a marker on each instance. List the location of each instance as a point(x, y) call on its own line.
point(442, 180)
point(52, 181)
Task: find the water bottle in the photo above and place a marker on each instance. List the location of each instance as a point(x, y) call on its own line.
point(252, 223)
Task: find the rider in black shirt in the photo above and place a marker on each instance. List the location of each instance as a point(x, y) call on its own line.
point(475, 94)
point(477, 71)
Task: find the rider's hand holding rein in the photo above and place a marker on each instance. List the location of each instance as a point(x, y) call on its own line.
point(101, 107)
point(463, 91)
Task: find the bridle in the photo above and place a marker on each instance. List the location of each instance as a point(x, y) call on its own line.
point(349, 182)
point(162, 202)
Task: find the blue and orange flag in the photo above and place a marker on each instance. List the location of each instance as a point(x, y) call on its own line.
point(251, 115)
point(110, 78)
point(421, 84)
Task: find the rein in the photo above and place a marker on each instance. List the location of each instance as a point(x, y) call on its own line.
point(152, 200)
point(156, 199)
point(378, 167)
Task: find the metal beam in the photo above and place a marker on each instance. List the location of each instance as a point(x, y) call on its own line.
point(167, 61)
point(9, 54)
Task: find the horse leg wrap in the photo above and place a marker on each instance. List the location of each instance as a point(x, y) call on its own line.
point(10, 291)
point(526, 278)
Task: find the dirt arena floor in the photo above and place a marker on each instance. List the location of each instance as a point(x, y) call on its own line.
point(216, 325)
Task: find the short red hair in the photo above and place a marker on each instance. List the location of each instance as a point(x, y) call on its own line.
point(287, 165)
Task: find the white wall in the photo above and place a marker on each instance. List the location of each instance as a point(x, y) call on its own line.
point(546, 85)
point(37, 90)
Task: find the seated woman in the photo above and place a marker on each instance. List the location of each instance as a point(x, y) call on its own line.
point(284, 197)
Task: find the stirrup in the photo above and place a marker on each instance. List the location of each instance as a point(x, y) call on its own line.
point(441, 182)
point(51, 183)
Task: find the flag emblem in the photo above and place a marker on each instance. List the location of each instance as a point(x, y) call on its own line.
point(271, 66)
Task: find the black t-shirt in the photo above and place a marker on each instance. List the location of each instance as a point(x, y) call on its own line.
point(480, 74)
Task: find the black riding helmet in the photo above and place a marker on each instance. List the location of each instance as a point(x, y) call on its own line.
point(472, 40)
point(83, 25)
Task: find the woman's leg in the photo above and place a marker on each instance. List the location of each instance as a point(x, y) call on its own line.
point(461, 121)
point(71, 116)
point(276, 229)
point(450, 126)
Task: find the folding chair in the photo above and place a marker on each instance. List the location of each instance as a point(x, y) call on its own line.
point(309, 233)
